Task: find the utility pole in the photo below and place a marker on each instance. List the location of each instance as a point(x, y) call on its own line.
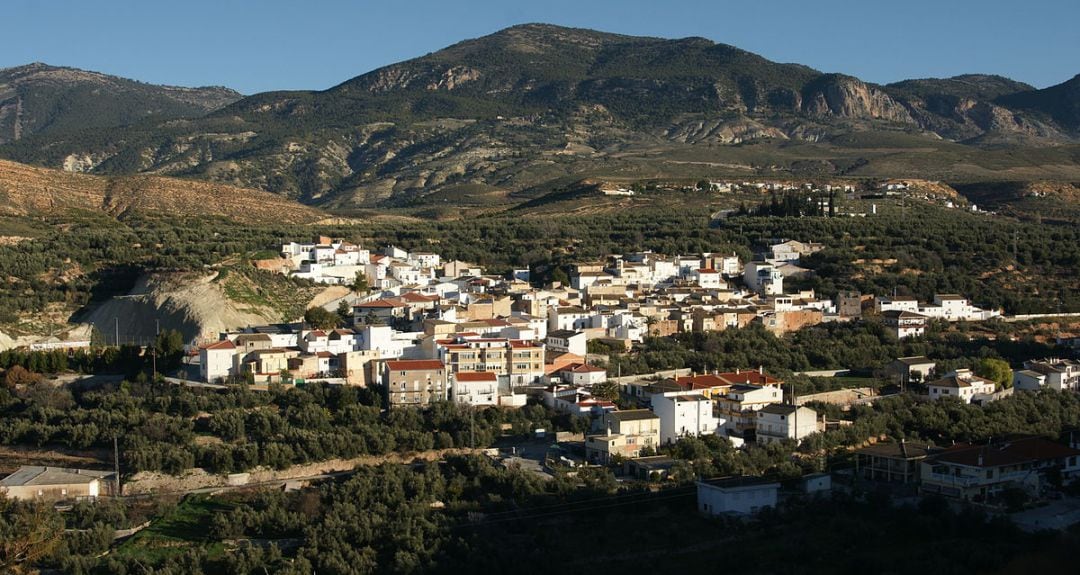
point(116, 465)
point(157, 334)
point(117, 331)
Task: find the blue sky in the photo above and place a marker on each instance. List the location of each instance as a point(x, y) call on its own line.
point(254, 46)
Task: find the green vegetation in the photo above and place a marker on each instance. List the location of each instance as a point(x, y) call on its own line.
point(159, 426)
point(176, 532)
point(864, 346)
point(287, 296)
point(320, 318)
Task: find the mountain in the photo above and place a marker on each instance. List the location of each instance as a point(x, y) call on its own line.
point(42, 99)
point(29, 190)
point(1060, 103)
point(527, 110)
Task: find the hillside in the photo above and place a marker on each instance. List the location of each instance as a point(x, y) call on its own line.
point(27, 190)
point(520, 113)
point(42, 99)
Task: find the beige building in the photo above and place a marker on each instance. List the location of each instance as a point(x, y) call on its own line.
point(627, 433)
point(415, 382)
point(56, 483)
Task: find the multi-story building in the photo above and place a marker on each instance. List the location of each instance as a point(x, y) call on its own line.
point(521, 362)
point(684, 414)
point(626, 434)
point(777, 422)
point(961, 384)
point(566, 340)
point(414, 382)
point(904, 323)
point(1059, 374)
point(892, 462)
point(475, 387)
point(216, 360)
point(739, 406)
point(983, 471)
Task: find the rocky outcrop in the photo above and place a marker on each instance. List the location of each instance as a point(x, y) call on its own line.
point(847, 97)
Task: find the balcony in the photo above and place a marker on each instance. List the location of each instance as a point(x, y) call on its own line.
point(954, 480)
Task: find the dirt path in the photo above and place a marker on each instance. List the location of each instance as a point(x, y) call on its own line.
point(11, 458)
point(152, 482)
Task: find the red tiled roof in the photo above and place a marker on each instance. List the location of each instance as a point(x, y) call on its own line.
point(325, 354)
point(585, 368)
point(748, 376)
point(707, 271)
point(419, 297)
point(414, 364)
point(476, 376)
point(1009, 453)
point(381, 303)
point(223, 344)
point(703, 381)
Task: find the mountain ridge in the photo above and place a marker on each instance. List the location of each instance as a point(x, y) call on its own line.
point(532, 105)
point(39, 98)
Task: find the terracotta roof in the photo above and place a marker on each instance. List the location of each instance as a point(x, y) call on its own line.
point(418, 297)
point(476, 376)
point(585, 368)
point(707, 271)
point(701, 381)
point(1022, 450)
point(906, 450)
point(223, 344)
point(325, 354)
point(381, 304)
point(414, 364)
point(957, 382)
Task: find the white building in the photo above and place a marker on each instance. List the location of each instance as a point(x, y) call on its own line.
point(475, 387)
point(584, 375)
point(216, 360)
point(736, 495)
point(777, 422)
point(1059, 374)
point(684, 414)
point(565, 340)
point(961, 384)
point(763, 278)
point(708, 278)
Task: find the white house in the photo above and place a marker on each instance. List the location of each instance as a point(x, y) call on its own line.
point(904, 323)
point(584, 375)
point(565, 340)
point(961, 384)
point(216, 360)
point(777, 422)
point(736, 495)
point(1060, 374)
point(763, 278)
point(708, 278)
point(684, 414)
point(1028, 380)
point(475, 387)
point(569, 317)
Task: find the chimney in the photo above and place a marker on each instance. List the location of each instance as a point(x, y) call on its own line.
point(761, 369)
point(903, 448)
